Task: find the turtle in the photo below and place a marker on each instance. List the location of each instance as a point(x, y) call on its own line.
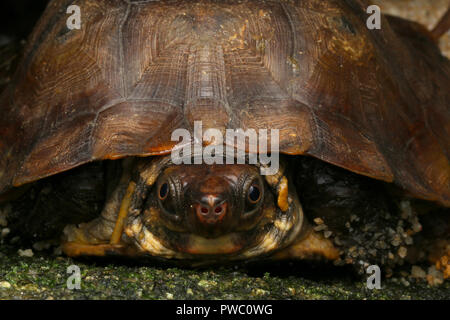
point(362, 117)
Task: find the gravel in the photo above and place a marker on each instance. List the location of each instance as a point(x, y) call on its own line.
point(44, 276)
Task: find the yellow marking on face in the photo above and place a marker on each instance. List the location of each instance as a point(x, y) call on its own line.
point(133, 229)
point(152, 178)
point(273, 179)
point(123, 212)
point(151, 174)
point(267, 244)
point(152, 245)
point(283, 225)
point(283, 192)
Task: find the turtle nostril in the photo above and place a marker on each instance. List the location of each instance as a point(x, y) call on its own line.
point(210, 215)
point(204, 210)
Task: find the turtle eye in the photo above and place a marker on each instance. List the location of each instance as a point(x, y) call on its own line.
point(254, 194)
point(166, 194)
point(253, 199)
point(163, 191)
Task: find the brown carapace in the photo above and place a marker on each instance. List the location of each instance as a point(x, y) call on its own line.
point(374, 102)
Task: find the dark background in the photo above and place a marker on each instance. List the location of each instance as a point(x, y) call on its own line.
point(17, 17)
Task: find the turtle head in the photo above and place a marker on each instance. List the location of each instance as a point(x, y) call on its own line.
point(210, 200)
point(215, 212)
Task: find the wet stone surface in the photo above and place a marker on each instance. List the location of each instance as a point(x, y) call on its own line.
point(32, 274)
point(44, 276)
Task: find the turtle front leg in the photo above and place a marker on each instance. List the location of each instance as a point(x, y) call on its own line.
point(311, 246)
point(105, 234)
point(102, 235)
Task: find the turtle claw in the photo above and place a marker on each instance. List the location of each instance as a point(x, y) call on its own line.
point(78, 241)
point(440, 256)
point(75, 249)
point(312, 246)
point(97, 231)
